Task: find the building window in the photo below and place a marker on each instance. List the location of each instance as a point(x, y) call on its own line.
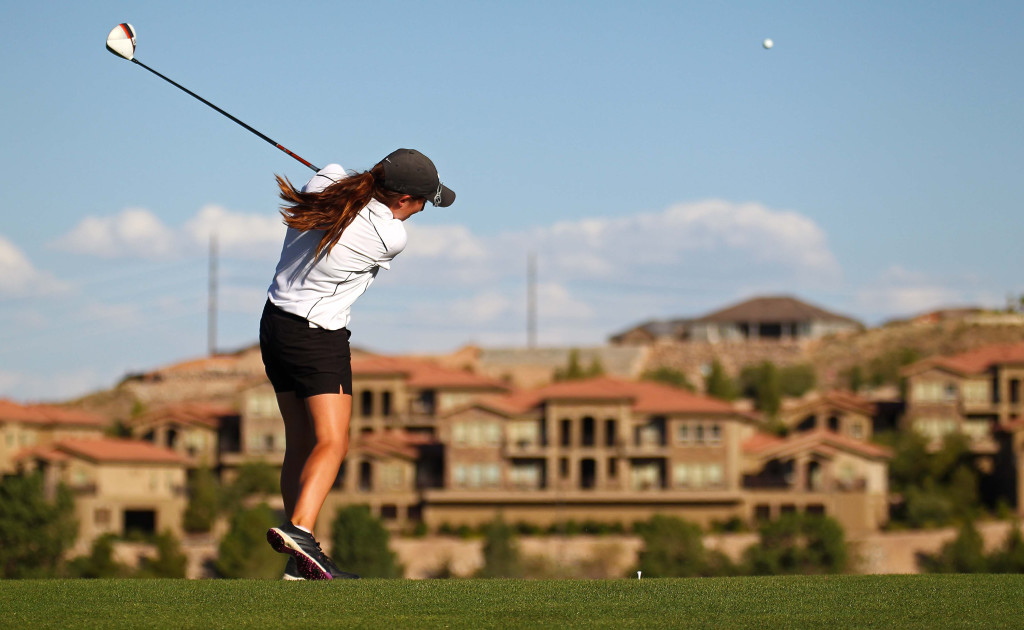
point(949, 392)
point(698, 435)
point(609, 432)
point(101, 517)
point(715, 438)
point(563, 467)
point(857, 430)
point(366, 403)
point(683, 433)
point(385, 404)
point(388, 512)
point(565, 432)
point(613, 468)
point(588, 437)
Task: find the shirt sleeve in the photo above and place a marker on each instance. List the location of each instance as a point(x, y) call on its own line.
point(330, 174)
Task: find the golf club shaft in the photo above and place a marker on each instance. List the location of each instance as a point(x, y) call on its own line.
point(191, 93)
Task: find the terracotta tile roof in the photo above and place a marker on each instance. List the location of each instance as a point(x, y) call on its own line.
point(974, 361)
point(841, 399)
point(821, 440)
point(395, 443)
point(774, 309)
point(422, 373)
point(41, 452)
point(195, 413)
point(109, 450)
point(47, 415)
point(643, 396)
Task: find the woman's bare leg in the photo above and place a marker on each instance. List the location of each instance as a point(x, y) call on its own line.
point(299, 439)
point(328, 417)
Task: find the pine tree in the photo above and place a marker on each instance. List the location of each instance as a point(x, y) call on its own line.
point(203, 501)
point(244, 552)
point(718, 383)
point(35, 531)
point(501, 553)
point(360, 544)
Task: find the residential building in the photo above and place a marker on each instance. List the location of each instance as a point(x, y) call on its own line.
point(837, 411)
point(977, 394)
point(819, 470)
point(120, 486)
point(768, 318)
point(27, 426)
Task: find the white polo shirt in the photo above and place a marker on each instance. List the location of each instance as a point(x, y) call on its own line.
point(323, 290)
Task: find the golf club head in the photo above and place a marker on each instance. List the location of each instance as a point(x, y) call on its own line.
point(121, 41)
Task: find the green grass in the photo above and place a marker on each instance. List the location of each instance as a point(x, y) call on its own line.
point(904, 601)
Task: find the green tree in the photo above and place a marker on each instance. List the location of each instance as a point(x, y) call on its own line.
point(797, 380)
point(798, 544)
point(1009, 558)
point(964, 554)
point(170, 561)
point(244, 552)
point(761, 382)
point(34, 531)
point(718, 383)
point(254, 479)
point(359, 543)
point(669, 376)
point(203, 501)
point(573, 370)
point(501, 553)
point(673, 547)
point(855, 378)
point(100, 562)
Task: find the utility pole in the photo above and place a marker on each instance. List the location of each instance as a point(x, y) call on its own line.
point(531, 300)
point(211, 318)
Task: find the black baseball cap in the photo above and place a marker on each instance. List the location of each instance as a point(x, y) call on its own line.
point(410, 172)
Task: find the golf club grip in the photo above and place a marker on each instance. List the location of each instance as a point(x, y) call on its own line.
point(200, 98)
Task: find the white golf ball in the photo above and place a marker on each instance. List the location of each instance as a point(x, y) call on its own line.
point(767, 44)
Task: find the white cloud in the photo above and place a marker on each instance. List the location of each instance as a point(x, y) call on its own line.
point(18, 276)
point(238, 234)
point(133, 233)
point(901, 291)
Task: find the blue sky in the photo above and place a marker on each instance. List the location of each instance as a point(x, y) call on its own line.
point(656, 159)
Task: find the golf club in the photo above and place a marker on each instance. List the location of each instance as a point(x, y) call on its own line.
point(121, 42)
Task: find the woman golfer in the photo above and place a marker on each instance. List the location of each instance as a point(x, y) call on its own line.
point(342, 229)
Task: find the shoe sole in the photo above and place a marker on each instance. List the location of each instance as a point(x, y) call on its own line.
point(287, 577)
point(308, 567)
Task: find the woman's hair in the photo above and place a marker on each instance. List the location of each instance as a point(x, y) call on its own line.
point(333, 208)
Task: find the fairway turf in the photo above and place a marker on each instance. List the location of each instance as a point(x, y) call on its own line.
point(901, 601)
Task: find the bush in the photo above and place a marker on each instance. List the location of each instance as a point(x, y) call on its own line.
point(964, 554)
point(673, 547)
point(100, 562)
point(798, 544)
point(718, 384)
point(169, 562)
point(1010, 558)
point(359, 543)
point(501, 553)
point(244, 552)
point(669, 376)
point(203, 501)
point(36, 531)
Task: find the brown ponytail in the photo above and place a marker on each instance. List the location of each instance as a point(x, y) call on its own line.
point(333, 208)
